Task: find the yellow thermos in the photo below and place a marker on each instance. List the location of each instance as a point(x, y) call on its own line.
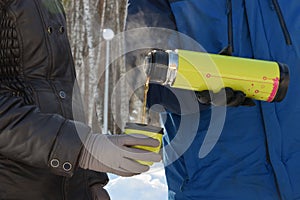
point(198, 71)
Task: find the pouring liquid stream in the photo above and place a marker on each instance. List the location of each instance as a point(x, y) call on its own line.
point(146, 89)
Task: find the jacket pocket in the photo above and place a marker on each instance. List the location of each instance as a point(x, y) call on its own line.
point(282, 22)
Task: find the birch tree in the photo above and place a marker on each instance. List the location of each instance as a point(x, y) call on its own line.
point(86, 20)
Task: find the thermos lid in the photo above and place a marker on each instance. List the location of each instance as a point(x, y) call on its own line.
point(283, 82)
point(157, 63)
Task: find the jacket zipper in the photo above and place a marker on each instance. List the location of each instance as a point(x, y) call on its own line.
point(282, 23)
point(230, 48)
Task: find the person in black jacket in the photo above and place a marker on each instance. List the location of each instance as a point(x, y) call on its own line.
point(44, 152)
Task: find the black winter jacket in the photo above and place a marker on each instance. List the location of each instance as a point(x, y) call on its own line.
point(40, 141)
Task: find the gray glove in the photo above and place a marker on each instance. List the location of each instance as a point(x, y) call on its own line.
point(115, 154)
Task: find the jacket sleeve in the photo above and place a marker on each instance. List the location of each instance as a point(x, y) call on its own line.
point(27, 135)
point(39, 139)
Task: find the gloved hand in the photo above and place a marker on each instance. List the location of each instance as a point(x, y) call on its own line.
point(226, 97)
point(114, 154)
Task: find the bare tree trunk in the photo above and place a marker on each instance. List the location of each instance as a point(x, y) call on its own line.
point(86, 21)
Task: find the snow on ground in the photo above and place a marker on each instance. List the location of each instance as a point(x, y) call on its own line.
point(147, 186)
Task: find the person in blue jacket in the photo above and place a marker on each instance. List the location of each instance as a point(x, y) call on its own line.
point(258, 153)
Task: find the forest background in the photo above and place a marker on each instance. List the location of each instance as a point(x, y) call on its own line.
point(86, 20)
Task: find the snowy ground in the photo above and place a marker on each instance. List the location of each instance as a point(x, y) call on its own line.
point(147, 186)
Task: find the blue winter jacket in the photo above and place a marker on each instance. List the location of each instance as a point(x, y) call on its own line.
point(257, 155)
